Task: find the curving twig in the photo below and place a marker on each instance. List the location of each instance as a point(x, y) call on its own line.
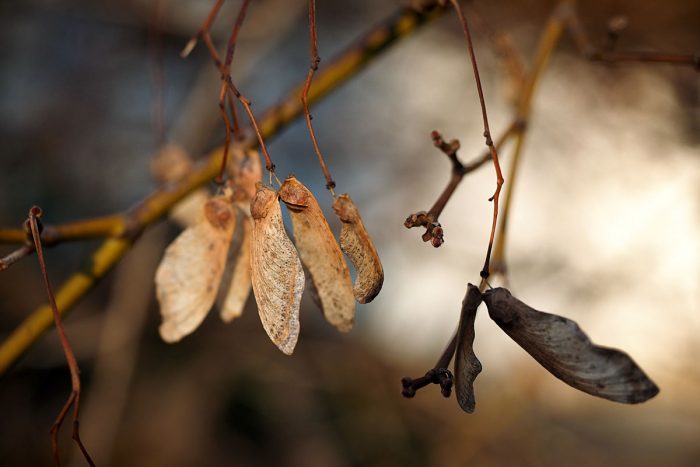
point(487, 135)
point(315, 60)
point(74, 397)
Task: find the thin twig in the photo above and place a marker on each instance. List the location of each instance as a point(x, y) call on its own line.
point(203, 32)
point(223, 93)
point(74, 398)
point(430, 219)
point(315, 60)
point(487, 134)
point(588, 50)
point(503, 47)
point(15, 256)
point(97, 227)
point(227, 84)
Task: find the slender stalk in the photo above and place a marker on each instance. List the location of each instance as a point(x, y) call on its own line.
point(315, 60)
point(487, 135)
point(74, 397)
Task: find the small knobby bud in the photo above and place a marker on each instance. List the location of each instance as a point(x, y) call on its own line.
point(440, 376)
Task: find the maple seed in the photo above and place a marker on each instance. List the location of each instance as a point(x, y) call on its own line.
point(559, 345)
point(189, 274)
point(277, 274)
point(357, 245)
point(467, 366)
point(240, 281)
point(320, 254)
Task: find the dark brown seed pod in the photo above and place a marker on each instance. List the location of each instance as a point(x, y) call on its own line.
point(559, 345)
point(467, 366)
point(357, 245)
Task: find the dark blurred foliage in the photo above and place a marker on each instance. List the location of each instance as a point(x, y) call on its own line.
point(76, 134)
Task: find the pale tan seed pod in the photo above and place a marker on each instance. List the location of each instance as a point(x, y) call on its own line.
point(240, 283)
point(189, 274)
point(357, 245)
point(277, 274)
point(245, 171)
point(320, 253)
point(170, 165)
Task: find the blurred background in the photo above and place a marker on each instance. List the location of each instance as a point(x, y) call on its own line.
point(604, 230)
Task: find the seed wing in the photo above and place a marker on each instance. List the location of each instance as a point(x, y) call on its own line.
point(559, 345)
point(357, 245)
point(189, 274)
point(239, 284)
point(321, 254)
point(277, 274)
point(467, 366)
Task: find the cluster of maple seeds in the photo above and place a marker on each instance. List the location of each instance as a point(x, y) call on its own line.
point(261, 256)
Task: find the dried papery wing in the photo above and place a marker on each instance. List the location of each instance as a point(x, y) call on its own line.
point(239, 282)
point(560, 346)
point(321, 254)
point(170, 165)
point(278, 278)
point(357, 245)
point(245, 171)
point(189, 211)
point(467, 366)
point(189, 274)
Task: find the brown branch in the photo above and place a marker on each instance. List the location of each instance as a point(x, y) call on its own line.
point(430, 219)
point(315, 60)
point(74, 398)
point(15, 256)
point(487, 134)
point(227, 89)
point(204, 33)
point(608, 55)
point(225, 79)
point(503, 47)
point(98, 227)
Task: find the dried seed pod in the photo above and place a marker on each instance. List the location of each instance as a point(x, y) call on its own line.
point(320, 254)
point(239, 283)
point(245, 171)
point(559, 345)
point(357, 245)
point(467, 366)
point(278, 278)
point(170, 165)
point(189, 274)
